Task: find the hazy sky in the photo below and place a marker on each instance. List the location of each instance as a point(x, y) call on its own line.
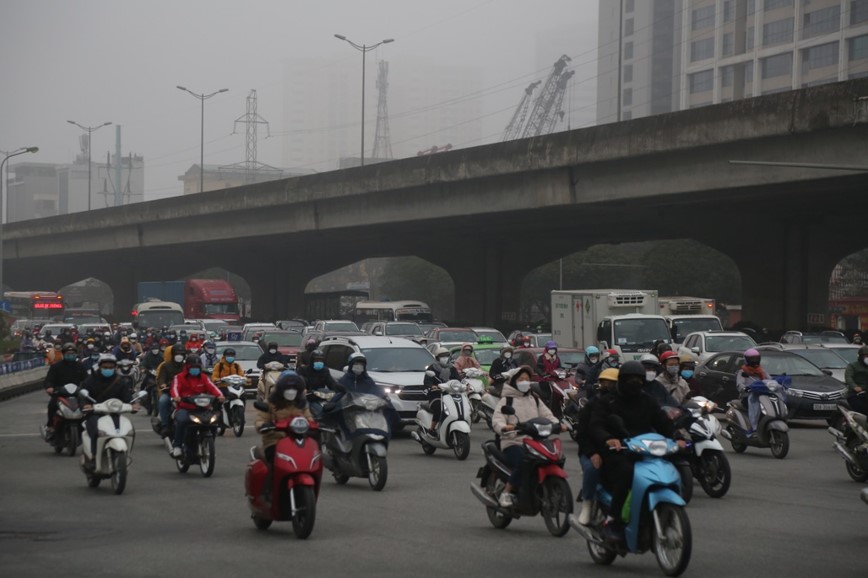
point(117, 60)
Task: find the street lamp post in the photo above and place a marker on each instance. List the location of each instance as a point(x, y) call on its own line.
point(202, 97)
point(14, 153)
point(364, 49)
point(89, 130)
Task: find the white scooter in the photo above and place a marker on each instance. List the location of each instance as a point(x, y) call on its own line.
point(233, 407)
point(475, 389)
point(267, 379)
point(453, 431)
point(113, 445)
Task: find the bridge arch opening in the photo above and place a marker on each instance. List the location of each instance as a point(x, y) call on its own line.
point(91, 293)
point(848, 295)
point(672, 267)
point(393, 279)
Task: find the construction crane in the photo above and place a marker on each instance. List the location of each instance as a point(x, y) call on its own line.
point(513, 129)
point(546, 111)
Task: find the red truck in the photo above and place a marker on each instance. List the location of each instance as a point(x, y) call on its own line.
point(200, 298)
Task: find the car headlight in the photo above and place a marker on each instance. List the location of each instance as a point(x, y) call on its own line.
point(795, 392)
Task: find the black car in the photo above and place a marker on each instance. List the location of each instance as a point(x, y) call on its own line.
point(812, 393)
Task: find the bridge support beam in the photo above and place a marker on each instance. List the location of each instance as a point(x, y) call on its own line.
point(277, 291)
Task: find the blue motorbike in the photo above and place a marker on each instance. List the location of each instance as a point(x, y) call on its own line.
point(654, 511)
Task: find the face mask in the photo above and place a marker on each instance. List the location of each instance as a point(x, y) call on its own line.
point(318, 365)
point(507, 355)
point(211, 350)
point(69, 357)
point(230, 360)
point(107, 372)
point(179, 358)
point(155, 352)
point(650, 375)
point(523, 386)
point(593, 359)
point(687, 373)
point(465, 353)
point(552, 352)
point(358, 369)
point(865, 361)
point(672, 370)
point(90, 345)
point(443, 360)
point(194, 371)
point(290, 394)
point(272, 351)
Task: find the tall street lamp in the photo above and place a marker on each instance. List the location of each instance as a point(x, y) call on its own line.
point(89, 130)
point(364, 49)
point(202, 98)
point(14, 153)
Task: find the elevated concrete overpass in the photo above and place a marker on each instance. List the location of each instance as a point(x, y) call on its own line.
point(659, 177)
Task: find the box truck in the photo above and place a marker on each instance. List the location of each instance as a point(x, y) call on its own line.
point(686, 315)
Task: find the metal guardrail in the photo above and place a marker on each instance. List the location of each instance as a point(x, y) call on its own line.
point(21, 365)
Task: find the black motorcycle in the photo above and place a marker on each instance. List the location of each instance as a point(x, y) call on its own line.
point(198, 446)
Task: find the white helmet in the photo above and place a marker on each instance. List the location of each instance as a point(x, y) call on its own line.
point(441, 351)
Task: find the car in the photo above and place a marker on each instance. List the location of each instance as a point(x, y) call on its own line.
point(814, 338)
point(812, 393)
point(849, 351)
point(485, 353)
point(213, 325)
point(292, 324)
point(288, 342)
point(449, 336)
point(703, 344)
point(570, 357)
point(333, 325)
point(406, 329)
point(395, 363)
point(493, 334)
point(93, 328)
point(247, 353)
point(55, 329)
point(248, 330)
point(825, 359)
point(429, 325)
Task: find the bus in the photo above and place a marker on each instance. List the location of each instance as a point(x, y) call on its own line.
point(332, 304)
point(45, 305)
point(392, 311)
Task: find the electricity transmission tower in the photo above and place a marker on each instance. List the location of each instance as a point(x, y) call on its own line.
point(382, 140)
point(252, 120)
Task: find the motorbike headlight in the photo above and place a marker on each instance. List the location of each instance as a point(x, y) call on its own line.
point(299, 426)
point(213, 419)
point(544, 430)
point(657, 448)
point(195, 419)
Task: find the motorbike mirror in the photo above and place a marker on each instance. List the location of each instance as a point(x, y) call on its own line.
point(83, 392)
point(430, 373)
point(141, 395)
point(260, 405)
point(250, 370)
point(267, 427)
point(70, 388)
point(507, 410)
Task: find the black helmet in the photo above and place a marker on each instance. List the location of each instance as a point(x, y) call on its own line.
point(69, 347)
point(863, 351)
point(272, 345)
point(193, 360)
point(631, 379)
point(288, 380)
point(230, 351)
point(317, 354)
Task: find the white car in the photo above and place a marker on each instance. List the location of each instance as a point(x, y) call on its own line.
point(704, 344)
point(395, 363)
point(849, 351)
point(246, 355)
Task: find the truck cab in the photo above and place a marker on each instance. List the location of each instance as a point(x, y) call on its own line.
point(633, 334)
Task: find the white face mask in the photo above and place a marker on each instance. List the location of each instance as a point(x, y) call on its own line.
point(865, 361)
point(522, 386)
point(290, 394)
point(507, 355)
point(272, 351)
point(179, 358)
point(551, 352)
point(443, 360)
point(358, 368)
point(593, 359)
point(650, 375)
point(155, 352)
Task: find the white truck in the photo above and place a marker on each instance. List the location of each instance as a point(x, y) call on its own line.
point(686, 315)
point(628, 321)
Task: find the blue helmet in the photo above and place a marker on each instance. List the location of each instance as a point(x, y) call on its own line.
point(592, 350)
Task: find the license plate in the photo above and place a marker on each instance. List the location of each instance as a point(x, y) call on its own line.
point(824, 407)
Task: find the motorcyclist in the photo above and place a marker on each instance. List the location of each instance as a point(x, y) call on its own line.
point(548, 362)
point(653, 385)
point(310, 346)
point(226, 366)
point(103, 384)
point(124, 350)
point(660, 347)
point(443, 371)
point(749, 373)
point(527, 406)
point(271, 354)
point(287, 400)
point(91, 360)
point(857, 338)
point(193, 344)
point(125, 372)
point(134, 342)
point(209, 356)
point(152, 359)
point(638, 414)
point(166, 373)
point(588, 370)
point(589, 456)
point(466, 360)
point(317, 376)
point(671, 379)
point(499, 367)
point(357, 380)
point(87, 346)
point(856, 378)
point(67, 370)
point(687, 370)
point(611, 358)
point(191, 381)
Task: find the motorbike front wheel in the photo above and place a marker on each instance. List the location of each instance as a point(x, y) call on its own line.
point(557, 505)
point(119, 471)
point(474, 410)
point(237, 417)
point(460, 445)
point(378, 472)
point(715, 475)
point(600, 554)
point(261, 523)
point(779, 443)
point(207, 456)
point(305, 503)
point(856, 473)
point(72, 439)
point(674, 545)
point(686, 481)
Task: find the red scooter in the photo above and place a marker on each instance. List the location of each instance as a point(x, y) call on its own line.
point(291, 490)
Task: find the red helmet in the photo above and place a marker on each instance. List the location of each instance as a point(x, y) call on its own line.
point(668, 355)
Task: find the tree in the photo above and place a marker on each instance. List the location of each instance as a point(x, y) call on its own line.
point(414, 278)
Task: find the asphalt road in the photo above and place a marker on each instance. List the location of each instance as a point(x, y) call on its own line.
point(798, 517)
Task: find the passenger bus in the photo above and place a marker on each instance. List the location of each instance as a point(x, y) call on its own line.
point(45, 305)
point(392, 311)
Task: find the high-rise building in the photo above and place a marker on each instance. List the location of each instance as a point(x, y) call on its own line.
point(731, 49)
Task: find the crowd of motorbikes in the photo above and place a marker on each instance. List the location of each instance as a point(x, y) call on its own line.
point(351, 441)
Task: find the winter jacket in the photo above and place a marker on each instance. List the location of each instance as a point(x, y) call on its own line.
point(209, 360)
point(466, 362)
point(266, 358)
point(526, 406)
point(186, 385)
point(747, 375)
point(658, 392)
point(640, 414)
point(361, 384)
point(546, 366)
point(321, 379)
point(225, 369)
point(167, 371)
point(675, 386)
point(856, 375)
point(104, 388)
point(442, 375)
point(64, 372)
point(274, 415)
point(149, 361)
point(501, 365)
point(121, 354)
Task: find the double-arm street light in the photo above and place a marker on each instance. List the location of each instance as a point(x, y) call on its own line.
point(8, 156)
point(202, 97)
point(364, 49)
point(89, 130)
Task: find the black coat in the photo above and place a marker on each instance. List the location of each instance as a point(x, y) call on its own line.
point(321, 379)
point(501, 365)
point(104, 388)
point(268, 358)
point(64, 372)
point(640, 414)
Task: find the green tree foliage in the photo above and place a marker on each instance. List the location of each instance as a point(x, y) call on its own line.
point(415, 278)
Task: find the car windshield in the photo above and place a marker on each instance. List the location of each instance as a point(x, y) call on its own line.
point(728, 343)
point(214, 324)
point(825, 358)
point(82, 319)
point(487, 356)
point(850, 354)
point(242, 352)
point(790, 364)
point(571, 358)
point(221, 308)
point(187, 328)
point(540, 339)
point(162, 318)
point(495, 335)
point(684, 327)
point(634, 335)
point(283, 339)
point(395, 359)
point(465, 336)
point(341, 326)
point(403, 329)
point(809, 339)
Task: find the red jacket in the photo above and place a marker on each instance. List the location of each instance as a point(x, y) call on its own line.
point(185, 385)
